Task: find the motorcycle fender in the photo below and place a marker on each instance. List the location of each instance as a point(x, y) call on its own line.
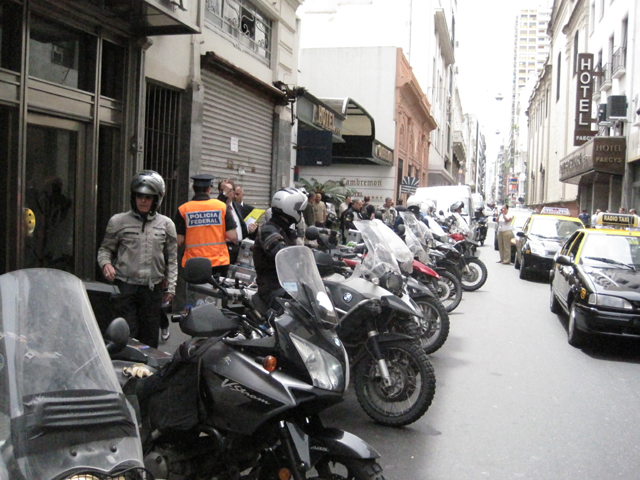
point(332, 441)
point(396, 303)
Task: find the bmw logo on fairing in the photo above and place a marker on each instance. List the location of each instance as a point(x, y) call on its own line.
point(337, 341)
point(347, 297)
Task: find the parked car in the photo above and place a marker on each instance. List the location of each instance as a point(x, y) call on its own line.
point(541, 237)
point(594, 280)
point(520, 216)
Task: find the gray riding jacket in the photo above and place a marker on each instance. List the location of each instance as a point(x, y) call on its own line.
point(142, 252)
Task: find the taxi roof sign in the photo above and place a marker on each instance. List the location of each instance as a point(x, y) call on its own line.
point(556, 211)
point(617, 220)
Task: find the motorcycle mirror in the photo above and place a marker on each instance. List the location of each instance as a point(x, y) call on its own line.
point(400, 229)
point(197, 270)
point(117, 335)
point(312, 233)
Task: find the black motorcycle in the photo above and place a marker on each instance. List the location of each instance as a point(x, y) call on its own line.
point(63, 414)
point(241, 400)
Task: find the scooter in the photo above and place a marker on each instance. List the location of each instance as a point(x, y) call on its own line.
point(241, 400)
point(63, 414)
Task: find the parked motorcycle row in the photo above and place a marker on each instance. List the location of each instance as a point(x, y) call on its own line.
point(243, 398)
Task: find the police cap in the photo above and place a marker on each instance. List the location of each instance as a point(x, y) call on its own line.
point(202, 180)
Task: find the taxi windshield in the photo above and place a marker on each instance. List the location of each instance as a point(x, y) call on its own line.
point(553, 228)
point(614, 250)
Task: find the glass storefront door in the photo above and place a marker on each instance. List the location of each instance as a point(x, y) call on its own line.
point(54, 154)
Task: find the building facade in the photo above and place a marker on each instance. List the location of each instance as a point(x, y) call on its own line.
point(425, 31)
point(582, 115)
point(391, 112)
point(92, 91)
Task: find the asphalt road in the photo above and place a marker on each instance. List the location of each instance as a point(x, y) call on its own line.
point(513, 399)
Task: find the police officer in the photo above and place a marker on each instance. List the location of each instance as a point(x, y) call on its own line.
point(205, 224)
point(287, 206)
point(139, 254)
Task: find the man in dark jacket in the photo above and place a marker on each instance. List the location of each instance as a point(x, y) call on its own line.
point(352, 213)
point(279, 232)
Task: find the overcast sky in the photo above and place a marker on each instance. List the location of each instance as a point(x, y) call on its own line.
point(485, 33)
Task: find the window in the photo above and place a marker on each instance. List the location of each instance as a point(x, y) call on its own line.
point(576, 50)
point(558, 77)
point(62, 55)
point(162, 139)
point(10, 36)
point(592, 19)
point(244, 23)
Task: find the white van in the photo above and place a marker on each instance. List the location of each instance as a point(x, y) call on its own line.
point(444, 196)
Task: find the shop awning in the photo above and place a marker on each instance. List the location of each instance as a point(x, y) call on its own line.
point(359, 134)
point(600, 155)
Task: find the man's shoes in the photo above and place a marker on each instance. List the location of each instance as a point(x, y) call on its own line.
point(499, 261)
point(164, 334)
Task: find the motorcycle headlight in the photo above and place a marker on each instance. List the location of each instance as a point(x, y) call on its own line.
point(325, 370)
point(608, 301)
point(393, 282)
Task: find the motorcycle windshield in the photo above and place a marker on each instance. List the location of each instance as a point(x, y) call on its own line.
point(57, 382)
point(299, 276)
point(386, 251)
point(414, 237)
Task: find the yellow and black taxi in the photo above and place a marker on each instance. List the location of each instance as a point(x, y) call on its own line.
point(596, 279)
point(541, 237)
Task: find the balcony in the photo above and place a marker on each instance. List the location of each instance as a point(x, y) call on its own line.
point(619, 62)
point(604, 80)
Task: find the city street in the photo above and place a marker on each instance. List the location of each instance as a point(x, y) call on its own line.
point(513, 399)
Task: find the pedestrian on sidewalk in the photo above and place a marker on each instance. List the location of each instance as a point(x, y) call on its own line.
point(505, 234)
point(139, 254)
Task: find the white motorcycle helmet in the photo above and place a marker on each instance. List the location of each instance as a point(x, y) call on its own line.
point(289, 203)
point(413, 205)
point(428, 208)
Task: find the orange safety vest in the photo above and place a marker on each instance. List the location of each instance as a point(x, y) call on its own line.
point(206, 231)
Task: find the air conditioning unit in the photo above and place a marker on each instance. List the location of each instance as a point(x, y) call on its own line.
point(617, 107)
point(602, 113)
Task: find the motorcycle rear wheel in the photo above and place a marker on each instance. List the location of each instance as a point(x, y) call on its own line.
point(333, 467)
point(411, 392)
point(434, 326)
point(477, 275)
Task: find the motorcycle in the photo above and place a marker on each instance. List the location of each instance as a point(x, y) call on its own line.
point(63, 414)
point(380, 268)
point(242, 401)
point(473, 270)
point(481, 230)
point(447, 287)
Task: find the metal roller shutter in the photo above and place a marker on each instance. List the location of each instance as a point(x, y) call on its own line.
point(234, 112)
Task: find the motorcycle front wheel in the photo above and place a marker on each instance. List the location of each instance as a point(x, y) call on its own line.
point(412, 384)
point(332, 467)
point(434, 325)
point(474, 276)
point(448, 290)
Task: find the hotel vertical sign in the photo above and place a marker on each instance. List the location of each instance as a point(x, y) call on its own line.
point(582, 131)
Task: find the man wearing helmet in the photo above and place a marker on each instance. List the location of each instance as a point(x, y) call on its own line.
point(139, 254)
point(287, 207)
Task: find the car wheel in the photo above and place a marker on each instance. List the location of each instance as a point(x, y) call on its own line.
point(554, 305)
point(523, 269)
point(575, 336)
